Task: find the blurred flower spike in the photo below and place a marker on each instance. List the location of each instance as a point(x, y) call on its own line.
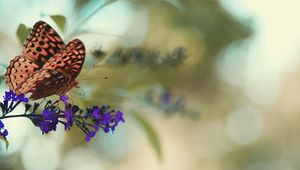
point(89, 120)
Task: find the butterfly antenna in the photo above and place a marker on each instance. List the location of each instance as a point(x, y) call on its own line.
point(96, 78)
point(107, 34)
point(92, 32)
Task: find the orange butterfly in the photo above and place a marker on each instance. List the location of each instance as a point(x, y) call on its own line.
point(46, 66)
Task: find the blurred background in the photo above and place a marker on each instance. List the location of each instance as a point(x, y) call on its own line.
point(204, 84)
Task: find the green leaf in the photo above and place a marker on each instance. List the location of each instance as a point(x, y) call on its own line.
point(60, 21)
point(22, 33)
point(3, 69)
point(2, 79)
point(6, 142)
point(151, 134)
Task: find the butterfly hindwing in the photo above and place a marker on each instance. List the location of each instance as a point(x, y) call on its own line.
point(42, 43)
point(19, 68)
point(43, 83)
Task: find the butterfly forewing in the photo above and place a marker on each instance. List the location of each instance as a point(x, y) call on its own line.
point(69, 60)
point(42, 43)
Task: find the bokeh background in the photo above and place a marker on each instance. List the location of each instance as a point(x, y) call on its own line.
point(204, 84)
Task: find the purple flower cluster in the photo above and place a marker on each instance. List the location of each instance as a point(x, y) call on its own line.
point(10, 95)
point(10, 102)
point(101, 118)
point(3, 131)
point(89, 120)
point(48, 121)
point(168, 102)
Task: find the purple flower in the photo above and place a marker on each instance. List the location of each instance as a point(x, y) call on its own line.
point(11, 96)
point(106, 119)
point(119, 117)
point(48, 121)
point(102, 118)
point(64, 99)
point(22, 98)
point(3, 131)
point(106, 129)
point(69, 118)
point(90, 134)
point(96, 112)
point(1, 124)
point(111, 119)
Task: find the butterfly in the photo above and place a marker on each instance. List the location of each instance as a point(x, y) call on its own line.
point(46, 66)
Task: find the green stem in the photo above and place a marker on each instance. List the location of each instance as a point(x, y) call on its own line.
point(21, 115)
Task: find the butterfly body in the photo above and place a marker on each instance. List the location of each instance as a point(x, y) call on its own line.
point(46, 66)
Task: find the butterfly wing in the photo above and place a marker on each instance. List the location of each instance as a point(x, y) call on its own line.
point(42, 43)
point(58, 75)
point(69, 60)
point(19, 68)
point(43, 83)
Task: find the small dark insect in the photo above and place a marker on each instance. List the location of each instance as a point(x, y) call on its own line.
point(98, 53)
